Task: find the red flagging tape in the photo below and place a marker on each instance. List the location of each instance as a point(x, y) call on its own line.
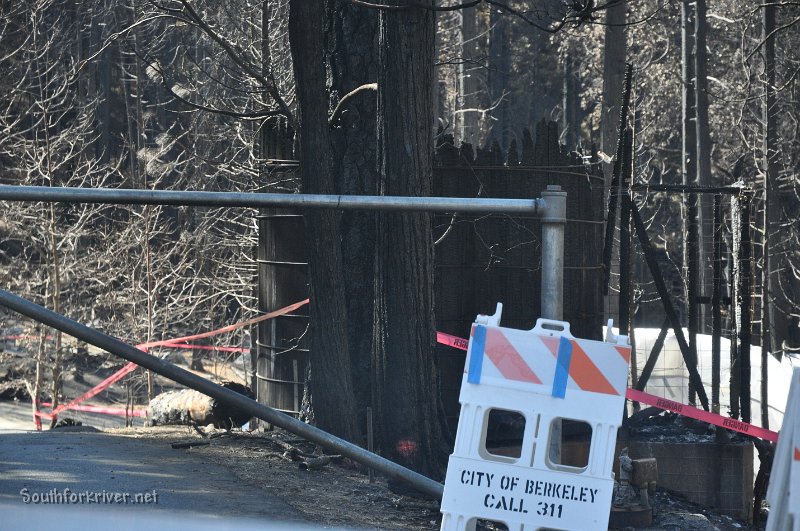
point(175, 343)
point(98, 409)
point(702, 415)
point(452, 341)
point(188, 346)
point(663, 403)
point(117, 376)
point(230, 328)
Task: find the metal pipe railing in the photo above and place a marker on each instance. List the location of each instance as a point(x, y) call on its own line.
point(228, 397)
point(125, 196)
point(551, 207)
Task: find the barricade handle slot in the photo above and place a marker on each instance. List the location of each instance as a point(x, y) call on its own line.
point(552, 327)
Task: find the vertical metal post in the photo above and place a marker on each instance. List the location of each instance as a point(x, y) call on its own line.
point(554, 219)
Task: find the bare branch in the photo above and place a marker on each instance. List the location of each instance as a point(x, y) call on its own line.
point(337, 112)
point(415, 5)
point(236, 57)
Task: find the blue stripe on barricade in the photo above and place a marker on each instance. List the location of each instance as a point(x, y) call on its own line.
point(476, 354)
point(563, 361)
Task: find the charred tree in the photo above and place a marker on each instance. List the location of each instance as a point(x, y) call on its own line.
point(472, 95)
point(703, 152)
point(331, 380)
point(769, 330)
point(499, 66)
point(716, 305)
point(571, 101)
point(351, 33)
point(615, 52)
point(410, 423)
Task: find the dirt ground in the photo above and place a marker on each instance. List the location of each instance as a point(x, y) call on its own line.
point(340, 494)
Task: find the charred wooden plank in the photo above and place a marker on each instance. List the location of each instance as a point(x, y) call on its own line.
point(189, 444)
point(315, 463)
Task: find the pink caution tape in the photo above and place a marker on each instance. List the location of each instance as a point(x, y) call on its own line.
point(122, 412)
point(663, 403)
point(452, 341)
point(702, 415)
point(188, 346)
point(117, 376)
point(230, 328)
point(176, 342)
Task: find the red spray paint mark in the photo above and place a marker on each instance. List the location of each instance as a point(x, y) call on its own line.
point(406, 447)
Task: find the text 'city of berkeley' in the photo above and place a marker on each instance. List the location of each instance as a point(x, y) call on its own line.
point(546, 489)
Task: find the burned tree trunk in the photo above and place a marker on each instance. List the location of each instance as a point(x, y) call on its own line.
point(350, 50)
point(703, 151)
point(772, 330)
point(613, 78)
point(410, 421)
point(331, 378)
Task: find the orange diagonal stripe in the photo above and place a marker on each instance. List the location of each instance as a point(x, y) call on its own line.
point(506, 358)
point(551, 343)
point(586, 374)
point(797, 454)
point(625, 352)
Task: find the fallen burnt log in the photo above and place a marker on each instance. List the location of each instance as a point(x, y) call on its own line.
point(194, 408)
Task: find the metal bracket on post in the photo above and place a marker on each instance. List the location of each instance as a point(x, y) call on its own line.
point(554, 220)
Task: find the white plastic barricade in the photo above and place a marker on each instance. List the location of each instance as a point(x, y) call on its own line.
point(783, 494)
point(542, 375)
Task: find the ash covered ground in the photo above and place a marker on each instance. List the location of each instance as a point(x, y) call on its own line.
point(340, 494)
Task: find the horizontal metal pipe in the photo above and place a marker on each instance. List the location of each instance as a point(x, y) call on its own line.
point(123, 196)
point(689, 188)
point(226, 396)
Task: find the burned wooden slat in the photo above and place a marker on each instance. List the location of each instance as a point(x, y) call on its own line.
point(625, 290)
point(315, 463)
point(733, 380)
point(191, 407)
point(528, 148)
point(669, 309)
point(716, 307)
point(743, 252)
point(647, 370)
point(643, 415)
point(612, 198)
point(625, 280)
point(693, 280)
point(189, 444)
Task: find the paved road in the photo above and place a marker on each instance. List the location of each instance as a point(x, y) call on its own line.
point(180, 486)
